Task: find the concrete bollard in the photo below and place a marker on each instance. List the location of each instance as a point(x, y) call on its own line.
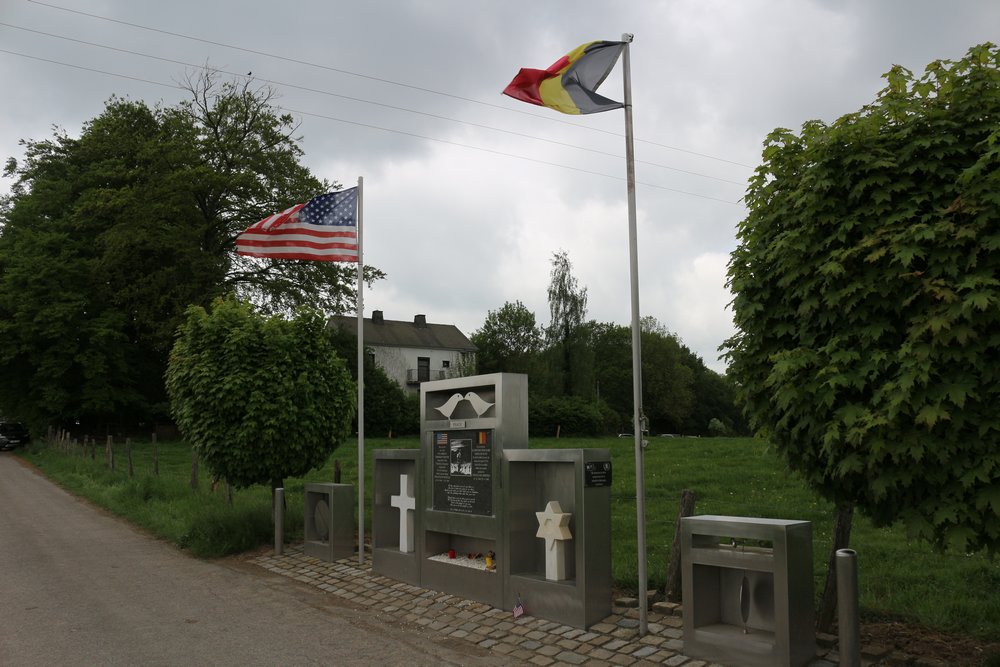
point(848, 623)
point(279, 521)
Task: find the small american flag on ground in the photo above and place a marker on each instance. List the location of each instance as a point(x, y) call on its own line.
point(518, 608)
point(324, 229)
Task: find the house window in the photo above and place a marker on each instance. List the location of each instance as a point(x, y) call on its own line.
point(445, 364)
point(423, 369)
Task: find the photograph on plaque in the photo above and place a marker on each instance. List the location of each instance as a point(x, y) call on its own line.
point(463, 471)
point(461, 458)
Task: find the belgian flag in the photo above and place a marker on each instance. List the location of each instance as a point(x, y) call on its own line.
point(570, 84)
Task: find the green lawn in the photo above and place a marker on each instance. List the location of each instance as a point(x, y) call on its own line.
point(731, 476)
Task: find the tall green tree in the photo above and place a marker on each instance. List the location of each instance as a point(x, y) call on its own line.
point(249, 167)
point(569, 353)
point(866, 281)
point(98, 256)
point(260, 398)
point(612, 349)
point(108, 237)
point(714, 398)
point(509, 340)
point(666, 380)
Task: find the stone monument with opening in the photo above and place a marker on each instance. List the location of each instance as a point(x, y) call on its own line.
point(477, 514)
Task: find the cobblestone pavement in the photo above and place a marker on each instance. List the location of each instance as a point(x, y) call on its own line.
point(529, 640)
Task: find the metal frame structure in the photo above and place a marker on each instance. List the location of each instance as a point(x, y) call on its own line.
point(748, 590)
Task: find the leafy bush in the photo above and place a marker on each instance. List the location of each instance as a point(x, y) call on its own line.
point(867, 293)
point(570, 416)
point(410, 420)
point(260, 399)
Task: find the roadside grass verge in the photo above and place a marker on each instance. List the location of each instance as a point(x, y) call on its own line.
point(899, 579)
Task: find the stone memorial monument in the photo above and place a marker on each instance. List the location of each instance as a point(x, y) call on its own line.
point(466, 425)
point(396, 537)
point(566, 576)
point(474, 500)
point(329, 521)
point(748, 590)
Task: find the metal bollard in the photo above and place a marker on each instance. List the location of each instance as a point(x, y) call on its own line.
point(848, 623)
point(279, 521)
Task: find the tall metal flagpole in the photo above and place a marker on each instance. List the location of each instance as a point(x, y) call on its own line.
point(361, 374)
point(637, 415)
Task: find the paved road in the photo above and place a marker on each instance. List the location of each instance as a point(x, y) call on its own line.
point(79, 587)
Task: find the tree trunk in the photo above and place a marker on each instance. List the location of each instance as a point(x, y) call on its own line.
point(674, 567)
point(194, 469)
point(841, 540)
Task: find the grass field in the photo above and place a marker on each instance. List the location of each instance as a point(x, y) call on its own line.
point(899, 579)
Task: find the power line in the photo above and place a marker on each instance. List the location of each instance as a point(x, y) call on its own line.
point(380, 128)
point(375, 78)
point(511, 155)
point(89, 69)
point(365, 101)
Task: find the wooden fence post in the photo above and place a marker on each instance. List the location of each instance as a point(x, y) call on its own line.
point(128, 450)
point(674, 568)
point(111, 452)
point(156, 458)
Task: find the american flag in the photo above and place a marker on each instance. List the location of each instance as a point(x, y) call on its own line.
point(324, 229)
point(518, 608)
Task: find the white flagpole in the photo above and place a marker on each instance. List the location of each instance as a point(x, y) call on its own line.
point(361, 376)
point(637, 415)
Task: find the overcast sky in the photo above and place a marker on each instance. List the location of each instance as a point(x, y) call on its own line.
point(469, 193)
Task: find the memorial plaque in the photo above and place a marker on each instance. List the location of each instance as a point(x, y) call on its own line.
point(463, 471)
point(597, 473)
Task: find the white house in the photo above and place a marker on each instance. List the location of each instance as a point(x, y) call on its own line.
point(414, 352)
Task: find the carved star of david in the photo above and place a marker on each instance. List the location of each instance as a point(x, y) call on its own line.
point(553, 524)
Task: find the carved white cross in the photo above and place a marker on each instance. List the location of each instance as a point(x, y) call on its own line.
point(407, 504)
point(553, 526)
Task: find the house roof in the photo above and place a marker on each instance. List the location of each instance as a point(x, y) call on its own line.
point(398, 333)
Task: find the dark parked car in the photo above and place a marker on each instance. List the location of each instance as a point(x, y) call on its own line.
point(13, 434)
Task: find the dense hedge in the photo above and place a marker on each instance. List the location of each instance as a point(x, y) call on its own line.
point(570, 415)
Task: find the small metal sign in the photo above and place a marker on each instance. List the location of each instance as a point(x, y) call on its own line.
point(597, 473)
